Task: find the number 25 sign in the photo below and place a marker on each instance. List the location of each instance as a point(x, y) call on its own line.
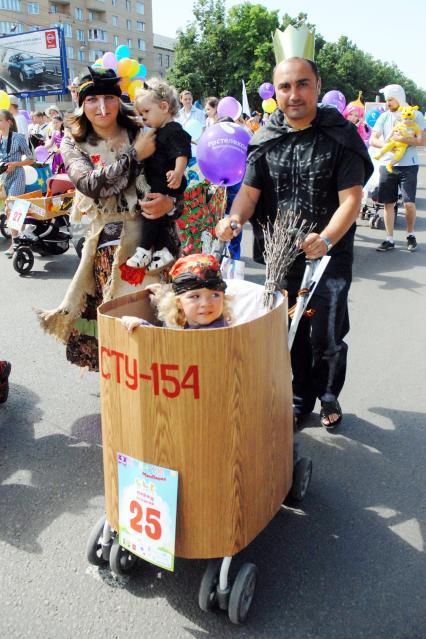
point(147, 510)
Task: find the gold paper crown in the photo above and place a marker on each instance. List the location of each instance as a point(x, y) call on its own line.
point(293, 43)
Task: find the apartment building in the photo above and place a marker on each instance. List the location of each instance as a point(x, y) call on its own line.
point(164, 49)
point(91, 28)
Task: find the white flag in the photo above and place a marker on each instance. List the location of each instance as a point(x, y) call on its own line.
point(244, 101)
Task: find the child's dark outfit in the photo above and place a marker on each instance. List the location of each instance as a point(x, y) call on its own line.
point(171, 142)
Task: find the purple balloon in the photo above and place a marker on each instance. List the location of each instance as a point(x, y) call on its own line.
point(41, 154)
point(26, 115)
point(222, 153)
point(109, 60)
point(229, 107)
point(266, 90)
point(336, 99)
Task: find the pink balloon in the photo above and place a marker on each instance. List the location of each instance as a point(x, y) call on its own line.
point(109, 60)
point(229, 107)
point(41, 154)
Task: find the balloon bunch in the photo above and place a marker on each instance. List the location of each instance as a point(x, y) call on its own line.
point(267, 92)
point(132, 73)
point(4, 100)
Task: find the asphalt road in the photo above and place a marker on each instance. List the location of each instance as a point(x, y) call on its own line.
point(349, 564)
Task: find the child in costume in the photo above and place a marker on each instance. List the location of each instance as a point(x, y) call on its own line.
point(355, 114)
point(406, 128)
point(158, 104)
point(195, 299)
point(54, 143)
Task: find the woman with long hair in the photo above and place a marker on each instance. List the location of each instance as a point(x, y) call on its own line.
point(103, 152)
point(13, 146)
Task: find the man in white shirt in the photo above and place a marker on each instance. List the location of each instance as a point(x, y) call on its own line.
point(20, 120)
point(189, 111)
point(404, 174)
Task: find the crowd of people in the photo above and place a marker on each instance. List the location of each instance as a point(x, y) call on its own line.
point(129, 165)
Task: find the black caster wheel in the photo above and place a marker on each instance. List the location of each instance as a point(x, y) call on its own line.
point(302, 473)
point(23, 260)
point(94, 547)
point(79, 246)
point(4, 230)
point(242, 593)
point(121, 560)
point(207, 595)
point(378, 223)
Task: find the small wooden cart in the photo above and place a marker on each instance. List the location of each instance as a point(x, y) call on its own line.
point(231, 441)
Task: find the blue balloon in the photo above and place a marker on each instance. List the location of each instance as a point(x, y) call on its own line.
point(122, 51)
point(372, 116)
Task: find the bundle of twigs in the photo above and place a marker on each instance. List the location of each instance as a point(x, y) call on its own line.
point(282, 245)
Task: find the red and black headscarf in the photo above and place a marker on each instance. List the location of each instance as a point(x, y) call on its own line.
point(196, 271)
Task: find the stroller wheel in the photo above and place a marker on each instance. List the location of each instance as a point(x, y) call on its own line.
point(121, 560)
point(94, 546)
point(3, 227)
point(207, 595)
point(23, 260)
point(302, 474)
point(378, 223)
point(242, 593)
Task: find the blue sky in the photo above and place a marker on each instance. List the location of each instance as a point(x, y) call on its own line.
point(392, 31)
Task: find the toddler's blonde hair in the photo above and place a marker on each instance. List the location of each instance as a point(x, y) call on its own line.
point(158, 91)
point(171, 313)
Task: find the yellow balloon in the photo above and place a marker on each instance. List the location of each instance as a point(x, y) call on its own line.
point(133, 87)
point(134, 67)
point(124, 67)
point(269, 105)
point(4, 100)
point(99, 61)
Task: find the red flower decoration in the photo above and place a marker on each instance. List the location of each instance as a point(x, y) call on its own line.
point(95, 158)
point(181, 223)
point(134, 276)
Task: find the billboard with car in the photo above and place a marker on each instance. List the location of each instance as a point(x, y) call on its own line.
point(34, 63)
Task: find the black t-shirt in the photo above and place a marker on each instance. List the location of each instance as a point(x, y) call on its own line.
point(305, 172)
point(171, 142)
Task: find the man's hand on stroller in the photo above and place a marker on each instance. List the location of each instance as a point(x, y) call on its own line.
point(227, 228)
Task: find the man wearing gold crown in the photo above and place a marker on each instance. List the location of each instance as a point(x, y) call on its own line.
point(311, 160)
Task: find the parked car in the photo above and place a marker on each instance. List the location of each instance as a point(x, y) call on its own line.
point(25, 67)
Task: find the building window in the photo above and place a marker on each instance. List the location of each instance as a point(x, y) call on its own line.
point(80, 35)
point(10, 27)
point(78, 12)
point(90, 15)
point(114, 3)
point(129, 25)
point(160, 59)
point(140, 8)
point(141, 44)
point(67, 30)
point(53, 8)
point(10, 5)
point(129, 43)
point(128, 5)
point(167, 61)
point(114, 21)
point(70, 53)
point(33, 8)
point(140, 26)
point(92, 55)
point(81, 56)
point(98, 34)
point(116, 40)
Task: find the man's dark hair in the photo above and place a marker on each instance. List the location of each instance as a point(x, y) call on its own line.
point(311, 63)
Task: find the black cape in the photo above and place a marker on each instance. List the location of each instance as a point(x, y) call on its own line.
point(329, 121)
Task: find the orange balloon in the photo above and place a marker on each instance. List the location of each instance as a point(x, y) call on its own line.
point(133, 87)
point(124, 67)
point(124, 84)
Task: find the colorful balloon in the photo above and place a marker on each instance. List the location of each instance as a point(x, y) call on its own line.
point(372, 116)
point(124, 84)
point(26, 115)
point(123, 67)
point(41, 154)
point(98, 63)
point(134, 68)
point(222, 152)
point(4, 100)
point(133, 87)
point(266, 90)
point(31, 175)
point(269, 105)
point(194, 129)
point(229, 107)
point(109, 61)
point(142, 71)
point(336, 99)
point(122, 51)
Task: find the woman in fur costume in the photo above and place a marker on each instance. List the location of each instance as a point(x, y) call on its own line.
point(103, 156)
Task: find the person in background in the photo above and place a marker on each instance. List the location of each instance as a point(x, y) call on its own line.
point(189, 111)
point(5, 368)
point(73, 89)
point(21, 122)
point(404, 174)
point(54, 143)
point(50, 113)
point(210, 107)
point(13, 146)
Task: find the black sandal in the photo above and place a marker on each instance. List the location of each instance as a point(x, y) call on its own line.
point(327, 409)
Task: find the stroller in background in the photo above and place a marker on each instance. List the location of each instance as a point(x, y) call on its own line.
point(371, 206)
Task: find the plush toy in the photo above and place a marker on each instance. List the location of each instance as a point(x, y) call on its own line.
point(408, 128)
